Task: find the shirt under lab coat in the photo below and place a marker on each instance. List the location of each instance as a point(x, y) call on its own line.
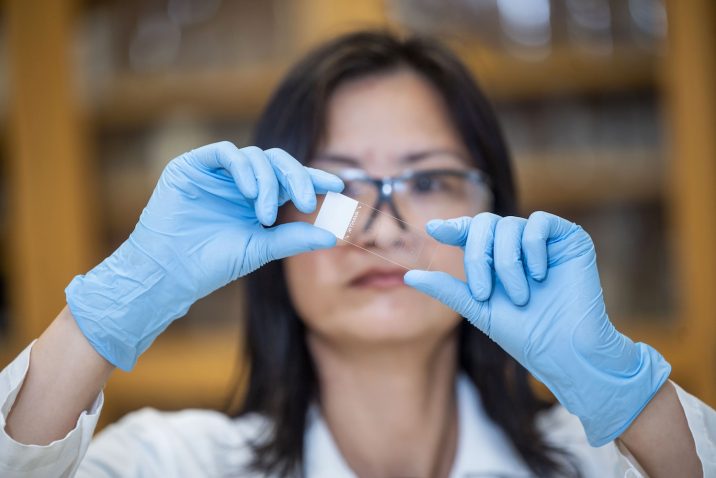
point(206, 443)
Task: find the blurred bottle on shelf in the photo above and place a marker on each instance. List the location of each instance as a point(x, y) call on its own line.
point(532, 29)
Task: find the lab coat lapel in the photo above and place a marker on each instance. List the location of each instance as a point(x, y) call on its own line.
point(483, 449)
point(321, 457)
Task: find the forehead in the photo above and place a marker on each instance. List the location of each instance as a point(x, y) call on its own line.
point(385, 116)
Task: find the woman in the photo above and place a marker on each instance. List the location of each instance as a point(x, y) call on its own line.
point(358, 368)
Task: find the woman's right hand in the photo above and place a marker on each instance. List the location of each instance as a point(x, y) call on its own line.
point(205, 225)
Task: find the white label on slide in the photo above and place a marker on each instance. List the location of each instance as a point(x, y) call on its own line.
point(336, 214)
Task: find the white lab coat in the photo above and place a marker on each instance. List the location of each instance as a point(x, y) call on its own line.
point(205, 443)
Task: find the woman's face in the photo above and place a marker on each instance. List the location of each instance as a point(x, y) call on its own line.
point(383, 124)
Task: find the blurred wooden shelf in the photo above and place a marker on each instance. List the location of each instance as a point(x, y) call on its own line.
point(239, 94)
point(180, 370)
point(215, 94)
point(564, 71)
point(588, 178)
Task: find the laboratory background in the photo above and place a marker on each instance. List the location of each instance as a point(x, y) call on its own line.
point(609, 107)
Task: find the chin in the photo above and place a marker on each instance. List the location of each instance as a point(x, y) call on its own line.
point(391, 318)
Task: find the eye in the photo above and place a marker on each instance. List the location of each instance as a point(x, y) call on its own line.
point(362, 190)
point(427, 183)
point(350, 187)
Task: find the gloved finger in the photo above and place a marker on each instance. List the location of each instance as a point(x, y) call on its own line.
point(534, 245)
point(227, 156)
point(541, 227)
point(452, 292)
point(508, 258)
point(452, 232)
point(286, 240)
point(479, 254)
point(266, 204)
point(324, 181)
point(294, 179)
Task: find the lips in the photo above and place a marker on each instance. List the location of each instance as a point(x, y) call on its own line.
point(379, 278)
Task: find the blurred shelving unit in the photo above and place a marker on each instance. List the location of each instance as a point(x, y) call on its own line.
point(4, 267)
point(49, 219)
point(617, 138)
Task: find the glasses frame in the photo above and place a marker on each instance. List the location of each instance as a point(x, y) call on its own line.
point(387, 185)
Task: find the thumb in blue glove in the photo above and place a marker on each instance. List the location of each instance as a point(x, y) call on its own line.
point(533, 287)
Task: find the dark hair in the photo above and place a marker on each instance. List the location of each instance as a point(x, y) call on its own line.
point(282, 381)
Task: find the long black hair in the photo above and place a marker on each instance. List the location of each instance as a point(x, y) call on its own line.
point(282, 382)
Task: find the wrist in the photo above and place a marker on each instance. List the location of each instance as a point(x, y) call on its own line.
point(618, 396)
point(125, 302)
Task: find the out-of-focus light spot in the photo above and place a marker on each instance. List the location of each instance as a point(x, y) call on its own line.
point(527, 23)
point(589, 25)
point(649, 16)
point(192, 12)
point(154, 44)
point(590, 14)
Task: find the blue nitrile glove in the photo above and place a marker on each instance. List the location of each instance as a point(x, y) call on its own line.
point(545, 308)
point(202, 228)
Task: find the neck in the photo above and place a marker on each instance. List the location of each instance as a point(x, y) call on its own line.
point(392, 410)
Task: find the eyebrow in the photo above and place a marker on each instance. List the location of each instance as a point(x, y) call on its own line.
point(410, 158)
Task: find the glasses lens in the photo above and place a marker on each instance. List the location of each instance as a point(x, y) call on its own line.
point(443, 194)
point(362, 190)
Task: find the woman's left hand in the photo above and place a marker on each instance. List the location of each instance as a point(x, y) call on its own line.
point(533, 287)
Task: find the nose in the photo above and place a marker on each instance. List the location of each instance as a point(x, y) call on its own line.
point(385, 234)
point(385, 198)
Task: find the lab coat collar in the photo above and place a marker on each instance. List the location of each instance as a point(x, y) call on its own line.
point(483, 450)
